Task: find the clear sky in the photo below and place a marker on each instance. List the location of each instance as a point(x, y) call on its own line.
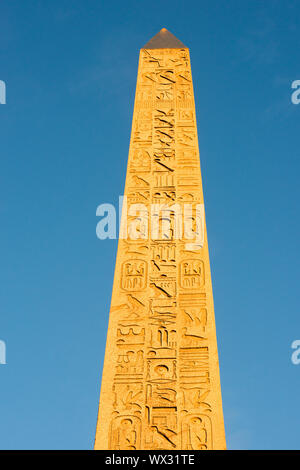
point(70, 70)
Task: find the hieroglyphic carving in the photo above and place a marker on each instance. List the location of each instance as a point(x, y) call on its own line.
point(196, 432)
point(192, 274)
point(160, 387)
point(141, 160)
point(125, 433)
point(134, 274)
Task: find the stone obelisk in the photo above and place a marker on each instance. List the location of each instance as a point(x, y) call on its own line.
point(160, 385)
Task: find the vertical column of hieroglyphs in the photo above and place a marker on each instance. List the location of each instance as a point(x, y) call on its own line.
point(161, 422)
point(121, 409)
point(199, 396)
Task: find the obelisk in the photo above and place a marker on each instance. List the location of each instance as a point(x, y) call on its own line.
point(160, 384)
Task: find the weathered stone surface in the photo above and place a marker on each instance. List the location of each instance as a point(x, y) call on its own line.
point(160, 384)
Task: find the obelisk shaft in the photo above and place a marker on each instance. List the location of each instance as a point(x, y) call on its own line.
point(160, 385)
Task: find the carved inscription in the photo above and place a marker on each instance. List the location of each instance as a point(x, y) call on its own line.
point(160, 387)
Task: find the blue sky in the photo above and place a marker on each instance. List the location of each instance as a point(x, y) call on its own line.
point(70, 71)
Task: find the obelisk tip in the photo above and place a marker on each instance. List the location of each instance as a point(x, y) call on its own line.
point(164, 40)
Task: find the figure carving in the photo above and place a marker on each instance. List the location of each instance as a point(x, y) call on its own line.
point(125, 433)
point(196, 432)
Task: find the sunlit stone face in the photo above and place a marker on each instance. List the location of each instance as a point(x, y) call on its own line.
point(160, 385)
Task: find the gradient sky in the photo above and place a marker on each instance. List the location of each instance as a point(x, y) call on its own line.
point(70, 70)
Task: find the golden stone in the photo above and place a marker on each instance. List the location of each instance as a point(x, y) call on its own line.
point(160, 384)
